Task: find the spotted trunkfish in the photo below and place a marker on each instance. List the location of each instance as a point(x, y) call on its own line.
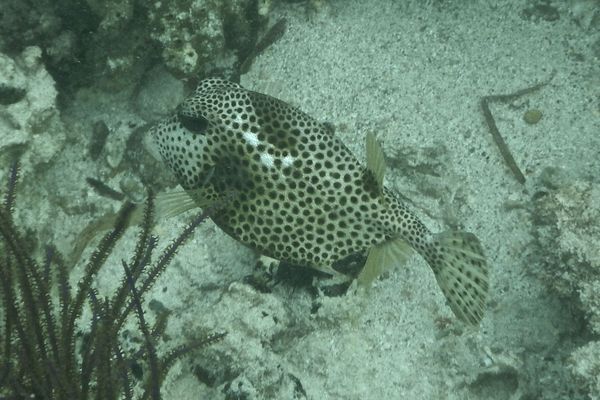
point(299, 194)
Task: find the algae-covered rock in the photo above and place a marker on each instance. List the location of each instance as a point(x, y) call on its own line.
point(585, 366)
point(112, 43)
point(590, 297)
point(245, 364)
point(30, 124)
point(158, 94)
point(82, 41)
point(196, 36)
point(113, 14)
point(25, 22)
point(567, 230)
point(566, 227)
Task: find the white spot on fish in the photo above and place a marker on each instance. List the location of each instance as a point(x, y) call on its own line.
point(287, 161)
point(238, 119)
point(267, 160)
point(251, 138)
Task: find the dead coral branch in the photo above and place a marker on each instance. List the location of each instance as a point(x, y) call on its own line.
point(489, 119)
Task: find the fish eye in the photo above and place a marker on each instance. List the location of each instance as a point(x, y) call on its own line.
point(194, 124)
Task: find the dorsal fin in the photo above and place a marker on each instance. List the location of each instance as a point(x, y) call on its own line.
point(375, 159)
point(328, 127)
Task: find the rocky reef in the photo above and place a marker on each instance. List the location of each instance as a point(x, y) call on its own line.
point(112, 43)
point(566, 227)
point(82, 80)
point(29, 117)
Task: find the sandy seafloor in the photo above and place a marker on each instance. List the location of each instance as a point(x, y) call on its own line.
point(412, 74)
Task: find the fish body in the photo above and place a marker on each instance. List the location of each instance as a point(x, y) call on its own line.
point(297, 194)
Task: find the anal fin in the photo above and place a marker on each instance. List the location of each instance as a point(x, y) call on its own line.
point(381, 257)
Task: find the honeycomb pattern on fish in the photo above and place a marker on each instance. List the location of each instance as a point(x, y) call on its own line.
point(299, 195)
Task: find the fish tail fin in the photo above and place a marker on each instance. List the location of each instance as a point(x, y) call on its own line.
point(461, 271)
point(381, 257)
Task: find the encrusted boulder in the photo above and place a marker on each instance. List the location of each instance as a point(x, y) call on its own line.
point(30, 123)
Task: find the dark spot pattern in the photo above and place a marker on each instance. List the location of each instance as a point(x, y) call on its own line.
point(301, 196)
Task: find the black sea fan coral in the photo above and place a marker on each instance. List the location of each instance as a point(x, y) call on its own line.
point(42, 354)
